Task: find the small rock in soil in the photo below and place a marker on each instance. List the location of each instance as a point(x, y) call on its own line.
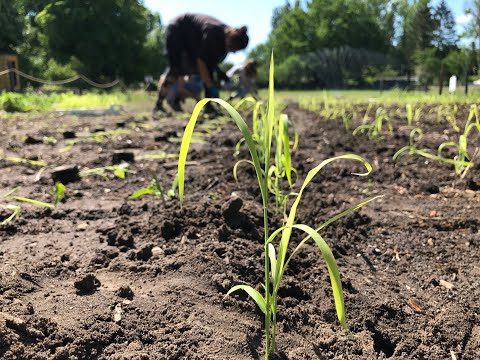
point(123, 156)
point(223, 233)
point(125, 209)
point(472, 185)
point(69, 134)
point(82, 227)
point(66, 174)
point(125, 292)
point(31, 140)
point(165, 137)
point(431, 188)
point(170, 229)
point(231, 208)
point(157, 251)
point(144, 253)
point(87, 285)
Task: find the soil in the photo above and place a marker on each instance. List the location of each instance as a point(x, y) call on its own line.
point(105, 277)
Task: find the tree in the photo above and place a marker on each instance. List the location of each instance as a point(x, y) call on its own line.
point(444, 36)
point(154, 58)
point(418, 26)
point(427, 65)
point(423, 25)
point(106, 37)
point(279, 12)
point(11, 25)
point(473, 28)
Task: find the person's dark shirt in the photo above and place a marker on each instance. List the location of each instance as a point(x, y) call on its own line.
point(202, 36)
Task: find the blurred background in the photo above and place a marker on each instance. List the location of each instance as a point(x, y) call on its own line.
point(318, 44)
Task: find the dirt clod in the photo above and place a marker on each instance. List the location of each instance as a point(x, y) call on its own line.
point(87, 285)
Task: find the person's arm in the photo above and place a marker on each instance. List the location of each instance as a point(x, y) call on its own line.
point(204, 73)
point(181, 86)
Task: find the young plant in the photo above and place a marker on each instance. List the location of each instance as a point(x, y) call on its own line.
point(347, 118)
point(58, 192)
point(275, 265)
point(20, 160)
point(413, 116)
point(155, 188)
point(117, 170)
point(14, 210)
point(374, 129)
point(281, 170)
point(460, 162)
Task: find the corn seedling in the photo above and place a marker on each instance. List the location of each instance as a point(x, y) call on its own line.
point(460, 162)
point(157, 156)
point(347, 118)
point(413, 115)
point(282, 169)
point(275, 264)
point(155, 188)
point(20, 160)
point(14, 210)
point(374, 129)
point(451, 115)
point(117, 170)
point(99, 137)
point(58, 192)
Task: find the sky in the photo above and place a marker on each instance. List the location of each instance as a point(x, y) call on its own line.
point(255, 14)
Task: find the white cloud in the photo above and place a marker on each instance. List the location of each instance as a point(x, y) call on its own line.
point(463, 19)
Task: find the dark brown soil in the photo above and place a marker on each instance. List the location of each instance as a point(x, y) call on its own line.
point(104, 277)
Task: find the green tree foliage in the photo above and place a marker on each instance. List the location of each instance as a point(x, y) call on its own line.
point(105, 36)
point(305, 34)
point(428, 65)
point(444, 36)
point(11, 25)
point(101, 39)
point(473, 28)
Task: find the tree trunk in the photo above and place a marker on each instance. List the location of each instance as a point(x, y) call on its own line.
point(440, 79)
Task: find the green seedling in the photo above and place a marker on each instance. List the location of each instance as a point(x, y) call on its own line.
point(49, 140)
point(275, 264)
point(460, 162)
point(25, 161)
point(58, 192)
point(15, 212)
point(281, 170)
point(347, 118)
point(413, 116)
point(451, 116)
point(157, 156)
point(99, 136)
point(118, 170)
point(155, 188)
point(374, 130)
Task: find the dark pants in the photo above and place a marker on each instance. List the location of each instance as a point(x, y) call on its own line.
point(180, 59)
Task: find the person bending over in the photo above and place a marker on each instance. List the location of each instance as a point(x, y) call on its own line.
point(197, 44)
point(193, 89)
point(243, 79)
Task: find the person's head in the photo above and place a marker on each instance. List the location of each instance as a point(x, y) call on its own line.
point(236, 38)
point(251, 67)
